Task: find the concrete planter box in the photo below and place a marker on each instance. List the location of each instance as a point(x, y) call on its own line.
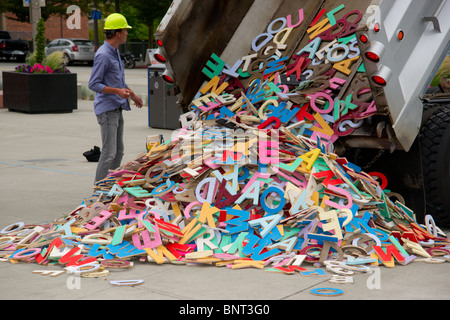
point(40, 93)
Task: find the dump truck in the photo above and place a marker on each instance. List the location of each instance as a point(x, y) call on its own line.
point(383, 55)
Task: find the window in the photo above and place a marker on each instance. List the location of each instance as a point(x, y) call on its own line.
point(83, 43)
point(52, 44)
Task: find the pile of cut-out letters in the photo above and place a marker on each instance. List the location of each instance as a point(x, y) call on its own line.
point(251, 179)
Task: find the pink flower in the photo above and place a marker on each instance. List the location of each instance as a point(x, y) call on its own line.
point(39, 68)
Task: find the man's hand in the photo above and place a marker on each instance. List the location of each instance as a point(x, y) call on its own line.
point(124, 93)
point(137, 100)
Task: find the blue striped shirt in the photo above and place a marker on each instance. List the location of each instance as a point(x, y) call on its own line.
point(108, 71)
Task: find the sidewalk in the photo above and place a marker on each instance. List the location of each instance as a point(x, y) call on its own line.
point(44, 176)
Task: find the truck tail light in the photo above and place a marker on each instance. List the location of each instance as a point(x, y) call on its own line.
point(381, 77)
point(375, 52)
point(159, 56)
point(372, 56)
point(2, 45)
point(363, 38)
point(376, 27)
point(379, 81)
point(168, 77)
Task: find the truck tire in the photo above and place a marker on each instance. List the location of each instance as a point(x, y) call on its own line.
point(435, 148)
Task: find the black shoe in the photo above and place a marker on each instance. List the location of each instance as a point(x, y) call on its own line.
point(92, 155)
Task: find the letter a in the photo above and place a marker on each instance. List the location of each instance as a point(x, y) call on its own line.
point(74, 21)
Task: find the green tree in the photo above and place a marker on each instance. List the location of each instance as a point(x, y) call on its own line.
point(143, 16)
point(150, 12)
point(40, 41)
point(140, 29)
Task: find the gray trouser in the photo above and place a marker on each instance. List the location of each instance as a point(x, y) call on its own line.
point(111, 127)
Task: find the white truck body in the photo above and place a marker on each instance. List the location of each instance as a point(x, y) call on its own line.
point(411, 61)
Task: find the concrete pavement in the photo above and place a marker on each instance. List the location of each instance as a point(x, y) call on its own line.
point(44, 176)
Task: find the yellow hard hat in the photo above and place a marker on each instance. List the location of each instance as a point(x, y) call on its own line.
point(116, 21)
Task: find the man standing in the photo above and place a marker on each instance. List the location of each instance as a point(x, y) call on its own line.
point(112, 93)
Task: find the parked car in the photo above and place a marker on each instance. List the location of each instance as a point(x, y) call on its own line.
point(75, 50)
point(9, 48)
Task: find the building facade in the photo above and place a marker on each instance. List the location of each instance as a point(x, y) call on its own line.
point(55, 27)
